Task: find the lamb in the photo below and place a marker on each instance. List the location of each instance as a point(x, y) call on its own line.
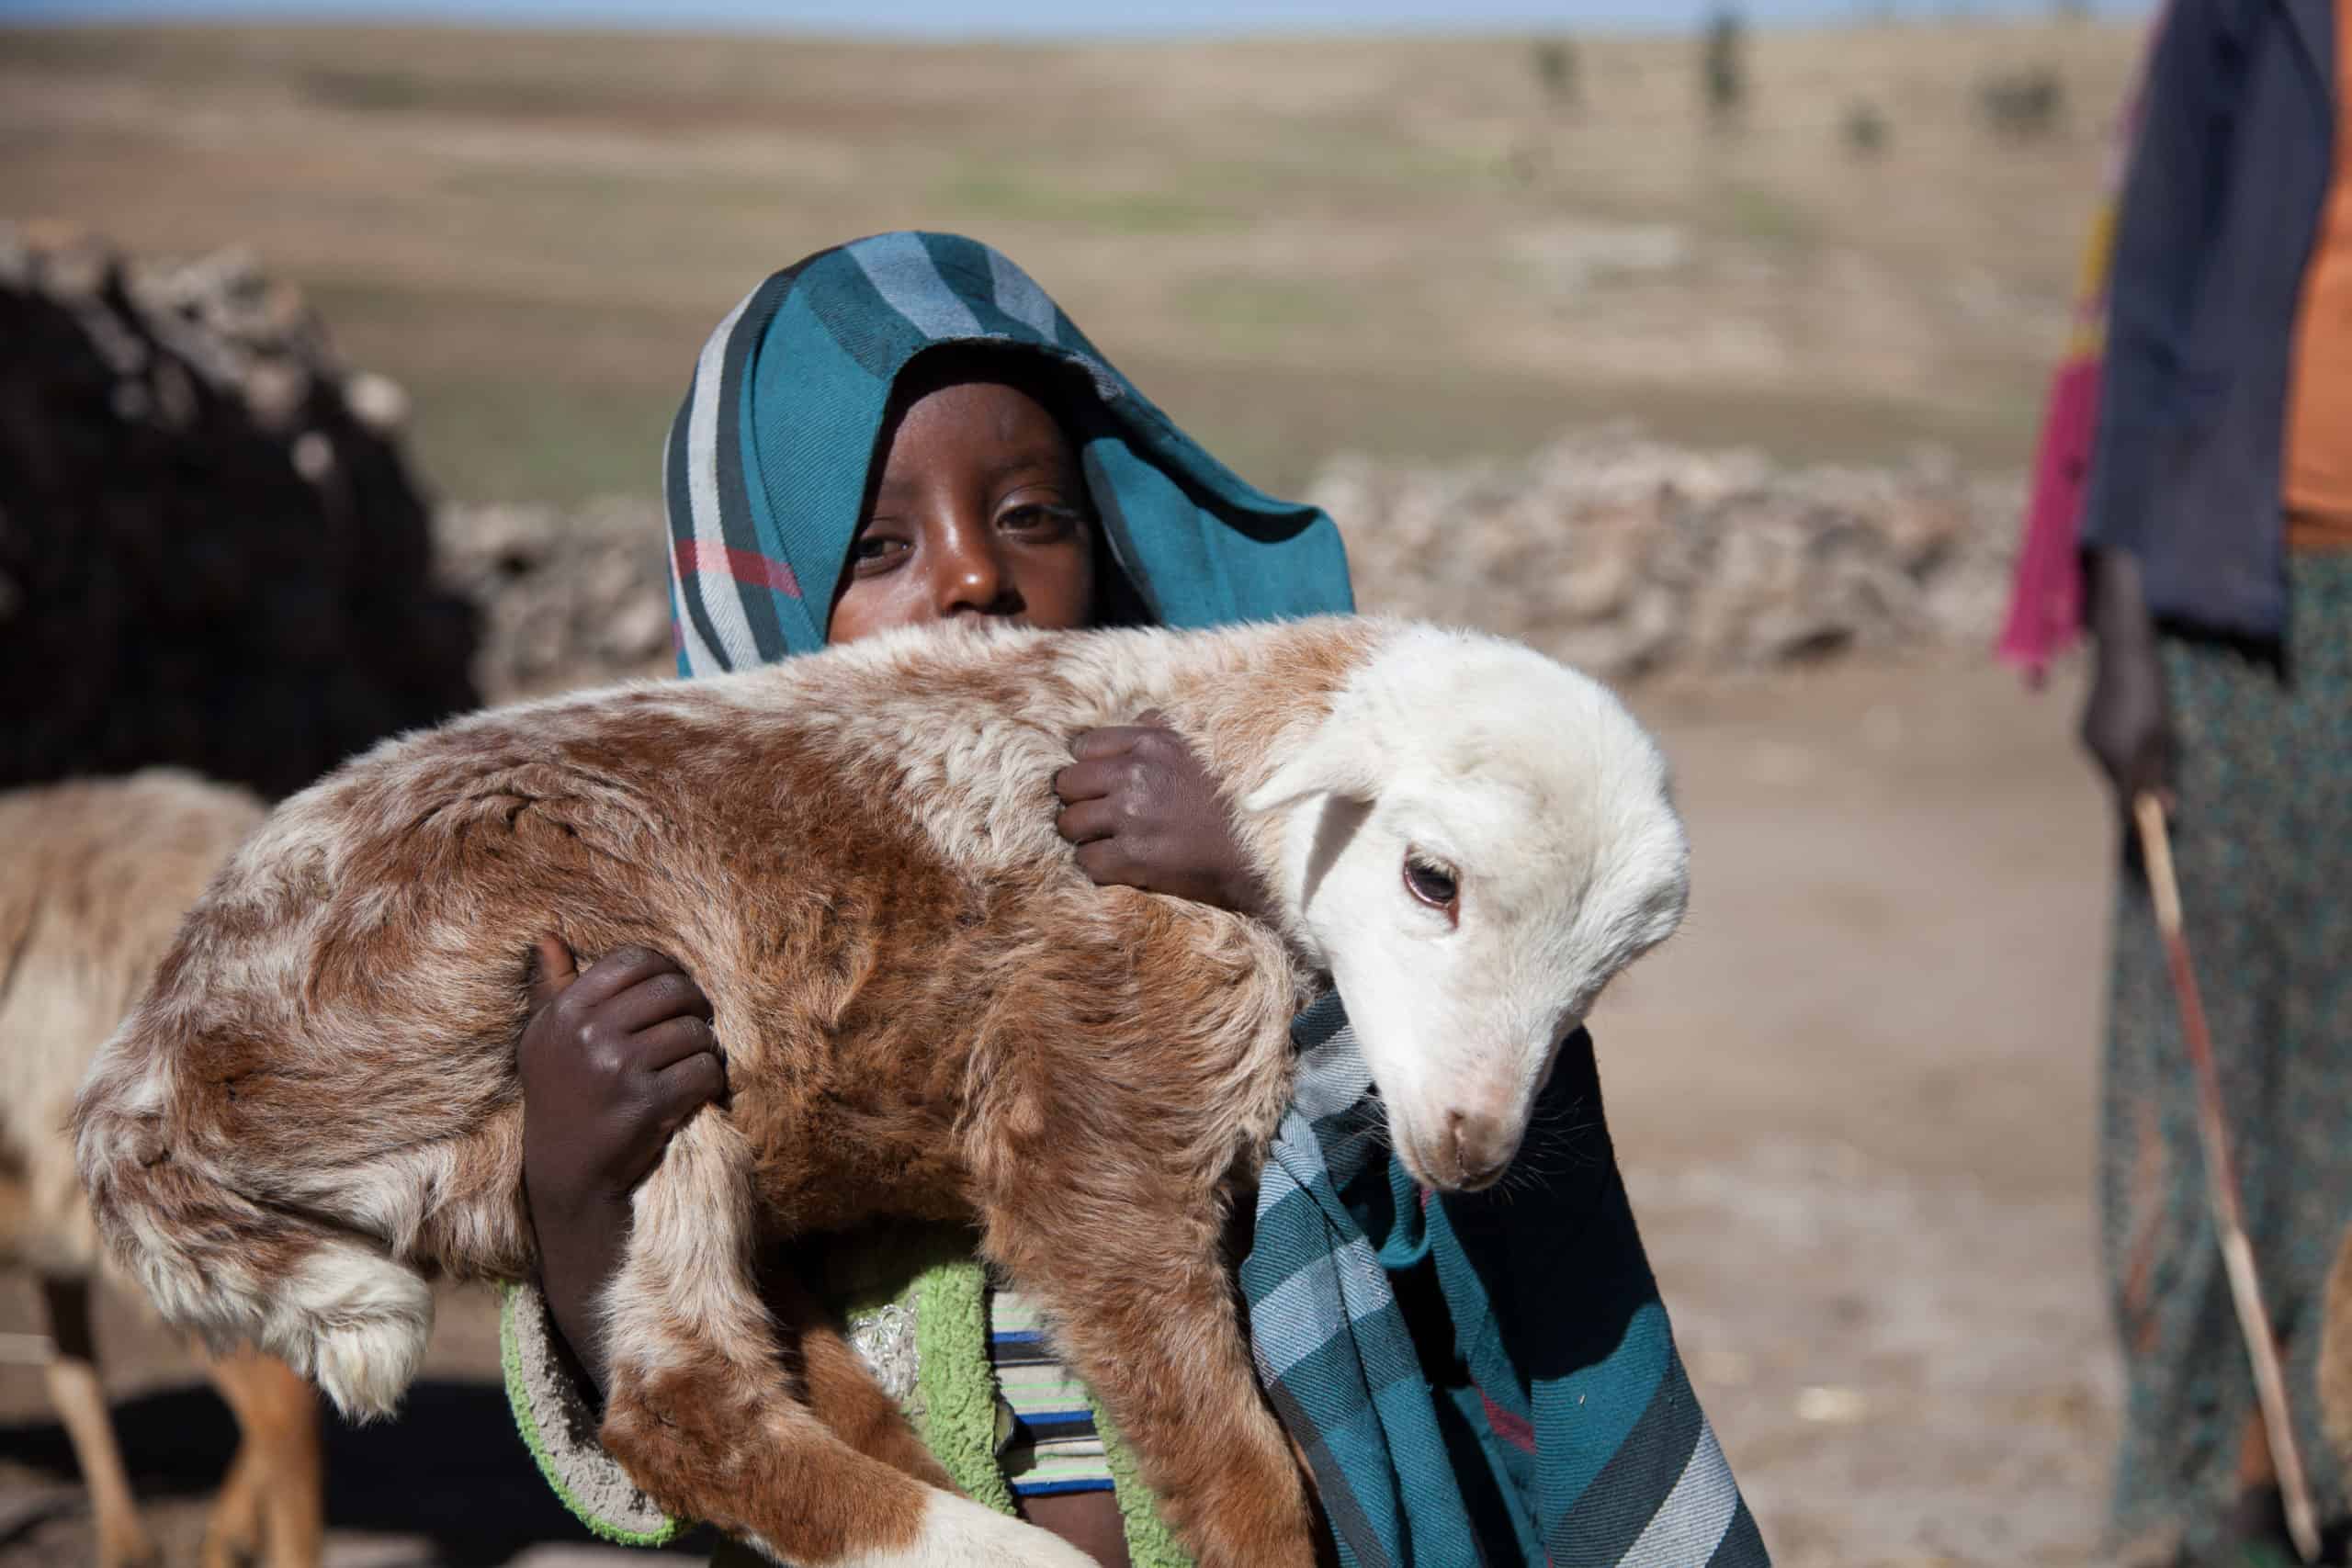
point(928, 1012)
point(93, 878)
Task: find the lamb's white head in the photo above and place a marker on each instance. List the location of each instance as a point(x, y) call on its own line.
point(1477, 840)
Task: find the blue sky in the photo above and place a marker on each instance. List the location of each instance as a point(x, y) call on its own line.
point(1034, 19)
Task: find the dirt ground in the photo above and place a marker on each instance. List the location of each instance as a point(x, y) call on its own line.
point(1853, 1100)
point(1854, 1103)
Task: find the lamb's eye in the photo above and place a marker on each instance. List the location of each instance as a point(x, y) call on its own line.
point(1431, 884)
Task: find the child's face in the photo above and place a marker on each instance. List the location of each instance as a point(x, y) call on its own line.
point(980, 509)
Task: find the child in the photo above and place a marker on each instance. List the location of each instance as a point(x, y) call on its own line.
point(909, 428)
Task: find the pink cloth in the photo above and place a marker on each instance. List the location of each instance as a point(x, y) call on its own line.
point(2046, 591)
point(2046, 594)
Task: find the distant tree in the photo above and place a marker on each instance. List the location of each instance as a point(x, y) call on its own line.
point(1864, 128)
point(1556, 69)
point(1723, 65)
point(2024, 104)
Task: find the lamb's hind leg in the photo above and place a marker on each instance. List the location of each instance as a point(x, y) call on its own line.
point(271, 1505)
point(81, 1403)
point(1145, 1312)
point(703, 1415)
point(838, 1387)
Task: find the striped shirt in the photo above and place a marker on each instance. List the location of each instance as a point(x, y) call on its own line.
point(1048, 1442)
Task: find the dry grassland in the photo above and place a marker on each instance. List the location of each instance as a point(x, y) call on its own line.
point(1296, 246)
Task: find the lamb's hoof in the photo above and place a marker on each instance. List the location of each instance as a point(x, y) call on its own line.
point(958, 1533)
point(233, 1535)
point(129, 1551)
point(955, 1532)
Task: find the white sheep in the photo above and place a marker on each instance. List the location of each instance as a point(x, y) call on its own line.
point(94, 878)
point(928, 1012)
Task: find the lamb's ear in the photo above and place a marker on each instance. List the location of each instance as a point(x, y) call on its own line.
point(1340, 760)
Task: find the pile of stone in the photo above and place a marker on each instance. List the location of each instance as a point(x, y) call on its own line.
point(1620, 555)
point(1628, 558)
point(211, 553)
point(569, 598)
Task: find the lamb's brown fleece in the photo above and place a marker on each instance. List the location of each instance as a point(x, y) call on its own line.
point(928, 1012)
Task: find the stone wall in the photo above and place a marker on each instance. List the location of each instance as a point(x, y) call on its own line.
point(211, 553)
point(1620, 555)
point(1626, 556)
point(570, 598)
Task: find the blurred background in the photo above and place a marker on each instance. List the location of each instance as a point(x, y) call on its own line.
point(1705, 349)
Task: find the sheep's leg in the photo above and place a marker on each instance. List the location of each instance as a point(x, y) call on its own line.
point(233, 1529)
point(840, 1391)
point(703, 1415)
point(81, 1403)
point(1145, 1312)
point(271, 1505)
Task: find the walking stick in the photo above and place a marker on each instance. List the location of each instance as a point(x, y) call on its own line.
point(2221, 1187)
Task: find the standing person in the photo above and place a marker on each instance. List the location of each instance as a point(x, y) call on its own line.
point(907, 429)
point(2217, 540)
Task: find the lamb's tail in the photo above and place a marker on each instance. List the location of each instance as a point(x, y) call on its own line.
point(231, 1266)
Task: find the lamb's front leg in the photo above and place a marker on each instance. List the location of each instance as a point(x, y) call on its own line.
point(1144, 1313)
point(701, 1413)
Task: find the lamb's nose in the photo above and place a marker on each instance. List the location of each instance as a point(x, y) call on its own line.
point(1479, 1148)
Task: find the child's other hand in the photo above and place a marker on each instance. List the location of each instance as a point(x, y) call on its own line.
point(613, 1061)
point(1145, 813)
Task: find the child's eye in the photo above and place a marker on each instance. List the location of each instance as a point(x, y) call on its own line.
point(1036, 517)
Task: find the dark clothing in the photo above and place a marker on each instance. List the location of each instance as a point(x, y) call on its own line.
point(2263, 846)
point(2227, 175)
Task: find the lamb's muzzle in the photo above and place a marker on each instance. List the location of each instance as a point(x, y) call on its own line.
point(929, 1012)
point(1478, 1149)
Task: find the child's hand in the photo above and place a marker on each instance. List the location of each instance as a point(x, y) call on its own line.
point(613, 1061)
point(1145, 813)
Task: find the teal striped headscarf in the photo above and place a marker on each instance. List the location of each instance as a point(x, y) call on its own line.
point(766, 466)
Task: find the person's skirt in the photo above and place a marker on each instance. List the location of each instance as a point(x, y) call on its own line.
point(2263, 841)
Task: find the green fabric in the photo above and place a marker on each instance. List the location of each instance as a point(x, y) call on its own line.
point(957, 1411)
point(518, 1400)
point(959, 1420)
point(1151, 1543)
point(955, 1406)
